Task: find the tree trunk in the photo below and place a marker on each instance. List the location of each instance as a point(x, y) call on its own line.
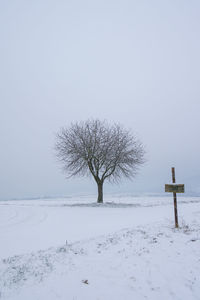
point(100, 192)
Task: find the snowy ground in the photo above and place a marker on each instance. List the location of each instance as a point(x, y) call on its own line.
point(74, 249)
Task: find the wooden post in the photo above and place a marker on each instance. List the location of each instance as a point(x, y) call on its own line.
point(175, 188)
point(175, 200)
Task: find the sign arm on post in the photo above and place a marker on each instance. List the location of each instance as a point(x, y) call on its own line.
point(175, 188)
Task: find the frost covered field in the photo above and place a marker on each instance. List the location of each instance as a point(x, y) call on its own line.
point(74, 249)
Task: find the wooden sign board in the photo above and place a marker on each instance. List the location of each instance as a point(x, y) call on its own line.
point(174, 188)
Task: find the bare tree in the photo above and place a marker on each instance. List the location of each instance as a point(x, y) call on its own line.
point(99, 149)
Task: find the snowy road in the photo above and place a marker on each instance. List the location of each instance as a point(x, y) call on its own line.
point(32, 225)
point(122, 250)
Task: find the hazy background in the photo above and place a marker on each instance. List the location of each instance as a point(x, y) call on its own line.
point(133, 62)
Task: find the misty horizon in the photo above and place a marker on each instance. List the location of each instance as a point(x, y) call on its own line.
point(130, 62)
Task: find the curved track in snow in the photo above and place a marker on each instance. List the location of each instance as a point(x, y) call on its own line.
point(31, 225)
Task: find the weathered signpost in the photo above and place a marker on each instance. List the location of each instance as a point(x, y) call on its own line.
point(174, 188)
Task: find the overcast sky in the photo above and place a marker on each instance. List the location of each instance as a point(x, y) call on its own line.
point(127, 61)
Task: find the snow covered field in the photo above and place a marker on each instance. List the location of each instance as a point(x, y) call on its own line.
point(74, 249)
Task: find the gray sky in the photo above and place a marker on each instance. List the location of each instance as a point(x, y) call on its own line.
point(133, 62)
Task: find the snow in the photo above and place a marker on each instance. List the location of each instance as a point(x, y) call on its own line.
point(75, 249)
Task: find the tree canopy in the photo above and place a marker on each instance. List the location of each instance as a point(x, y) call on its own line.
point(97, 148)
